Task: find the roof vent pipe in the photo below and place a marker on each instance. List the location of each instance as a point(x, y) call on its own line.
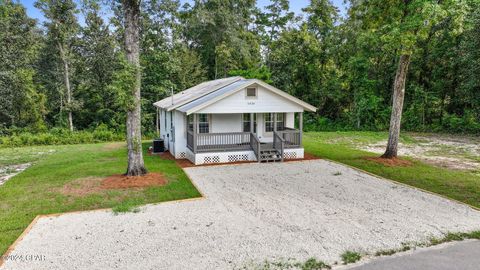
point(171, 92)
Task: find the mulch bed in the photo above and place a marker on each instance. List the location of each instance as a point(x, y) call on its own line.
point(390, 162)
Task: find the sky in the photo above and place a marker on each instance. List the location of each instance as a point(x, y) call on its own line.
point(295, 5)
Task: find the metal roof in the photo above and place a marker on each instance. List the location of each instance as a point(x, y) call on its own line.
point(206, 93)
point(194, 93)
point(231, 87)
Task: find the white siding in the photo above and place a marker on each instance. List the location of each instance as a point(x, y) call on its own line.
point(226, 123)
point(165, 128)
point(290, 120)
point(180, 125)
point(266, 101)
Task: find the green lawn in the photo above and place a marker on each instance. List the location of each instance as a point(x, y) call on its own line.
point(463, 186)
point(36, 190)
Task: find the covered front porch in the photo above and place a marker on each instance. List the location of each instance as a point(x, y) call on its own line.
point(256, 136)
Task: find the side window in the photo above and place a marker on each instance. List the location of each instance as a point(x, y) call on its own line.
point(203, 123)
point(190, 122)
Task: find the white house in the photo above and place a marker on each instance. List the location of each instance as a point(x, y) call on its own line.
point(212, 122)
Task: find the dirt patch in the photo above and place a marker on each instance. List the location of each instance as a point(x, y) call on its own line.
point(121, 181)
point(114, 145)
point(94, 185)
point(447, 151)
point(390, 162)
point(83, 186)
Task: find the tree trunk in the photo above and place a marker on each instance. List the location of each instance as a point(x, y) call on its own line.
point(136, 165)
point(397, 106)
point(66, 77)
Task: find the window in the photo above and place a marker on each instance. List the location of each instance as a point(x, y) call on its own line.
point(190, 122)
point(246, 122)
point(251, 92)
point(165, 117)
point(203, 123)
point(269, 122)
point(280, 121)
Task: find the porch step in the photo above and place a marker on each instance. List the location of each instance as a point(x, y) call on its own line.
point(270, 155)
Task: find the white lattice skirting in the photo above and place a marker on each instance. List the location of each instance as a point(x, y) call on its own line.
point(293, 153)
point(180, 155)
point(226, 157)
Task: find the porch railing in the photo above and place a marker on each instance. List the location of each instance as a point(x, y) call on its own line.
point(240, 141)
point(292, 137)
point(190, 140)
point(255, 145)
point(278, 143)
point(230, 141)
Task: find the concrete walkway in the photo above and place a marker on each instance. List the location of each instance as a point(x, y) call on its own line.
point(454, 256)
point(251, 213)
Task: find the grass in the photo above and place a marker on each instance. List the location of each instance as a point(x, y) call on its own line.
point(350, 257)
point(463, 186)
point(36, 190)
point(310, 264)
point(389, 252)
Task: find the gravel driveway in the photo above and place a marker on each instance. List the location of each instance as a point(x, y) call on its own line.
point(251, 213)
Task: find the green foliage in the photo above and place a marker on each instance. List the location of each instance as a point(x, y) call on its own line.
point(262, 73)
point(345, 66)
point(60, 136)
point(450, 237)
point(123, 80)
point(350, 257)
point(21, 101)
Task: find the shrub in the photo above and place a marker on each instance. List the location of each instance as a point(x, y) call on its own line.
point(57, 136)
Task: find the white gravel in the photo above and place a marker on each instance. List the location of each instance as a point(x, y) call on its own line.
point(251, 213)
point(10, 171)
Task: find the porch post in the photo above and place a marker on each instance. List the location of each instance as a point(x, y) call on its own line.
point(275, 122)
point(195, 131)
point(252, 129)
point(300, 126)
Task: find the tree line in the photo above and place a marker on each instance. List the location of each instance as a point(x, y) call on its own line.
point(71, 70)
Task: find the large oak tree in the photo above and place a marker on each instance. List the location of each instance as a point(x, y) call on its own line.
point(131, 11)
